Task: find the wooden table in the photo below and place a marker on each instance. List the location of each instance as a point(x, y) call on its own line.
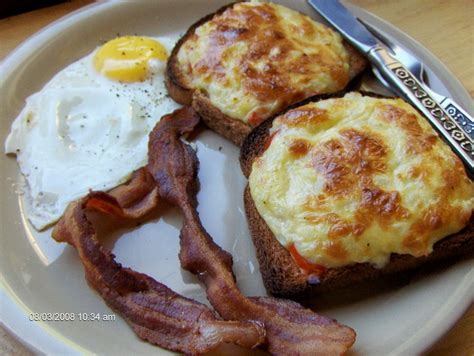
point(444, 27)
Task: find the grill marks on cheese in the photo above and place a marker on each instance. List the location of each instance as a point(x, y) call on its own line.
point(355, 179)
point(256, 58)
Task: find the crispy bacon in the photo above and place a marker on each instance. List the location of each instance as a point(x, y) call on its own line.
point(158, 314)
point(290, 328)
point(155, 313)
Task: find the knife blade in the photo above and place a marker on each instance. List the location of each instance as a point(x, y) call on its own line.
point(398, 76)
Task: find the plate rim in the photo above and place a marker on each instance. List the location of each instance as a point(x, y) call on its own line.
point(52, 342)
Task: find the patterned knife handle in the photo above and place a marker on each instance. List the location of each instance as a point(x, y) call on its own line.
point(464, 120)
point(401, 78)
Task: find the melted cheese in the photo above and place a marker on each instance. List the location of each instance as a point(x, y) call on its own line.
point(256, 58)
point(356, 179)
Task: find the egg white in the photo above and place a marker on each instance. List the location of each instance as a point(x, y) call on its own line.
point(84, 132)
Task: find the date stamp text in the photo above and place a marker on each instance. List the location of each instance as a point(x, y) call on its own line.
point(71, 317)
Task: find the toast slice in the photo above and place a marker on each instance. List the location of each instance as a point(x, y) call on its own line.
point(284, 276)
point(269, 61)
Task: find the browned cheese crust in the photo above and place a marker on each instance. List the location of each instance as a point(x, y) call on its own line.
point(226, 126)
point(281, 274)
point(283, 277)
point(174, 77)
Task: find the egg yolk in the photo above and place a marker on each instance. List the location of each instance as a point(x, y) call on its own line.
point(127, 59)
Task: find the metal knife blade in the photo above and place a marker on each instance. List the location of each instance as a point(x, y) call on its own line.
point(398, 76)
point(338, 16)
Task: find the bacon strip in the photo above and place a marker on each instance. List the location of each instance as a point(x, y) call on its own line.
point(155, 313)
point(291, 329)
point(163, 317)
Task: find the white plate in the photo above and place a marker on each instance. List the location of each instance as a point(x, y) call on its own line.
point(37, 275)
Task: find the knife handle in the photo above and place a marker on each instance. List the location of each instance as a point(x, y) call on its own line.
point(401, 78)
point(459, 115)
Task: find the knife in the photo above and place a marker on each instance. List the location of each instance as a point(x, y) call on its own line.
point(398, 76)
point(417, 68)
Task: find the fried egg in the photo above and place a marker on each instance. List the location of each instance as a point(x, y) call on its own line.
point(87, 128)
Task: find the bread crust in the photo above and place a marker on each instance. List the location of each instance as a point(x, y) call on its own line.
point(226, 126)
point(281, 274)
point(233, 130)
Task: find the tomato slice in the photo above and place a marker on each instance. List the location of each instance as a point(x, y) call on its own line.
point(254, 119)
point(308, 267)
